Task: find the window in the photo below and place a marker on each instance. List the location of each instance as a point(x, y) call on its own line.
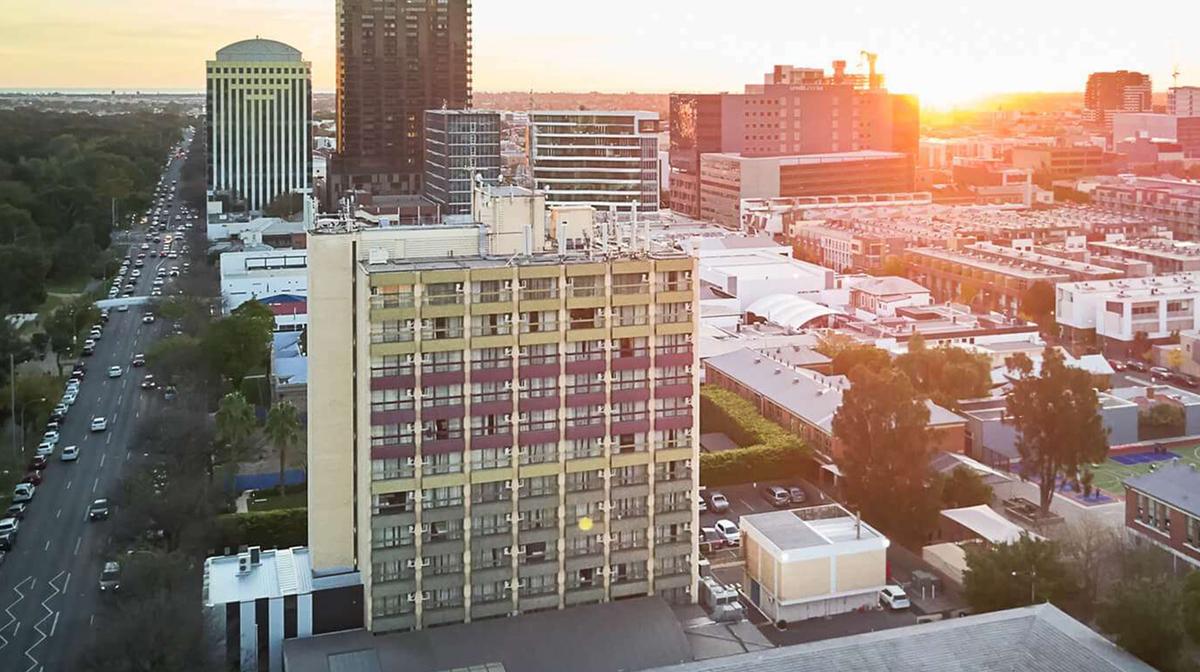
point(392, 503)
point(446, 563)
point(539, 585)
point(442, 362)
point(482, 593)
point(488, 558)
point(441, 463)
point(390, 605)
point(581, 481)
point(391, 537)
point(393, 467)
point(533, 552)
point(496, 491)
point(539, 486)
point(489, 458)
point(435, 498)
point(490, 524)
point(446, 530)
point(391, 570)
point(539, 453)
point(583, 448)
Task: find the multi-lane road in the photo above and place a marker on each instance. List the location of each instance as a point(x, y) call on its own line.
point(49, 581)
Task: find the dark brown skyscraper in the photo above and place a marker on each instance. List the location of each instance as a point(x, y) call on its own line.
point(395, 59)
point(1111, 92)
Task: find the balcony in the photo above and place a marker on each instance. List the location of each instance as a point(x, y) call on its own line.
point(588, 398)
point(633, 423)
point(636, 392)
point(495, 296)
point(533, 437)
point(396, 381)
point(543, 403)
point(592, 363)
point(673, 422)
point(665, 389)
point(392, 447)
point(636, 360)
point(585, 428)
point(442, 408)
point(403, 412)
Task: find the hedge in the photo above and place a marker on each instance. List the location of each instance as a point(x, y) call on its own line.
point(767, 450)
point(276, 528)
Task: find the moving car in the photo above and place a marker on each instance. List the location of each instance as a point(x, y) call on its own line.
point(717, 503)
point(1137, 365)
point(148, 318)
point(893, 597)
point(114, 372)
point(110, 577)
point(148, 381)
point(99, 424)
point(729, 532)
point(23, 492)
point(776, 496)
point(98, 510)
point(139, 360)
point(69, 454)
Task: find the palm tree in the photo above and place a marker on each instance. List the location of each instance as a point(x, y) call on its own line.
point(282, 428)
point(235, 425)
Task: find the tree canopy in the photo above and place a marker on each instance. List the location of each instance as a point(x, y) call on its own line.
point(1005, 576)
point(882, 426)
point(945, 374)
point(1038, 305)
point(1057, 420)
point(61, 175)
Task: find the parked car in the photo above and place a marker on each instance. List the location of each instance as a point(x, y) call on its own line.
point(1137, 365)
point(710, 539)
point(69, 454)
point(98, 510)
point(1160, 371)
point(99, 424)
point(776, 496)
point(23, 492)
point(9, 526)
point(16, 511)
point(796, 494)
point(39, 462)
point(45, 449)
point(1117, 365)
point(51, 436)
point(1186, 380)
point(34, 477)
point(729, 532)
point(110, 577)
point(717, 502)
point(703, 505)
point(893, 597)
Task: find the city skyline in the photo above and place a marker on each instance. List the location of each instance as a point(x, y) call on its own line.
point(677, 47)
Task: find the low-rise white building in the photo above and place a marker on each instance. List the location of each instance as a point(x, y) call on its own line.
point(812, 562)
point(1111, 313)
point(262, 273)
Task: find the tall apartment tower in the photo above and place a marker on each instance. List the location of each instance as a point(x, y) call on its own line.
point(1110, 92)
point(395, 59)
point(257, 112)
point(462, 147)
point(1183, 101)
point(497, 437)
point(701, 123)
point(597, 158)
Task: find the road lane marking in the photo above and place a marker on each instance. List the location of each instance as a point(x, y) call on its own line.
point(92, 620)
point(8, 610)
point(47, 545)
point(54, 625)
point(102, 455)
point(107, 440)
point(59, 514)
point(77, 540)
point(96, 484)
point(68, 485)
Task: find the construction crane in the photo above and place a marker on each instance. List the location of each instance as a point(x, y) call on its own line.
point(1175, 76)
point(872, 78)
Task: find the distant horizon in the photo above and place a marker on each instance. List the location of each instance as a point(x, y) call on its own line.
point(946, 53)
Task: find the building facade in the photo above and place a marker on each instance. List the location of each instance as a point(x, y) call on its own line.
point(1111, 314)
point(462, 147)
point(1160, 508)
point(700, 123)
point(1057, 163)
point(257, 111)
point(597, 158)
point(1109, 92)
point(1181, 130)
point(1183, 101)
point(395, 60)
point(500, 438)
point(1173, 202)
point(727, 179)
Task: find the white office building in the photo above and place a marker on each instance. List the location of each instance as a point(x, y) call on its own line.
point(260, 274)
point(598, 158)
point(259, 102)
point(1113, 312)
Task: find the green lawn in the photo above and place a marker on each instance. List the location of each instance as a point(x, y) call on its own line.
point(1110, 473)
point(270, 499)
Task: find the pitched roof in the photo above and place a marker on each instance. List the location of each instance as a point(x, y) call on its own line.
point(624, 635)
point(1028, 638)
point(890, 284)
point(1177, 484)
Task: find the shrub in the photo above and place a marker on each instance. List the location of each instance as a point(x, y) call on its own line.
point(767, 450)
point(277, 528)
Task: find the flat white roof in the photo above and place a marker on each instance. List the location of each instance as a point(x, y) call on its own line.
point(283, 571)
point(818, 531)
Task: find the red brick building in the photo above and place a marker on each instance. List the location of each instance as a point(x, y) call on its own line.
point(1163, 508)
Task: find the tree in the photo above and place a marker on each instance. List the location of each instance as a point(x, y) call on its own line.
point(1140, 346)
point(1190, 603)
point(241, 343)
point(1175, 358)
point(1038, 305)
point(945, 374)
point(867, 356)
point(1089, 546)
point(286, 205)
point(967, 292)
point(1004, 576)
point(235, 426)
point(1057, 420)
point(882, 427)
point(64, 324)
point(283, 430)
point(965, 487)
point(832, 343)
point(1144, 617)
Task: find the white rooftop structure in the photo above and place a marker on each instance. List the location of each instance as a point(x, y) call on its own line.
point(989, 525)
point(237, 578)
point(258, 49)
point(789, 310)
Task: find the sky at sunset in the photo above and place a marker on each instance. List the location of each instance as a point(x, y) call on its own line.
point(946, 52)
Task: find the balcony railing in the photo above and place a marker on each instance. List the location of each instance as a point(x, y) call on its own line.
point(393, 301)
point(585, 291)
point(498, 296)
point(442, 299)
point(401, 336)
